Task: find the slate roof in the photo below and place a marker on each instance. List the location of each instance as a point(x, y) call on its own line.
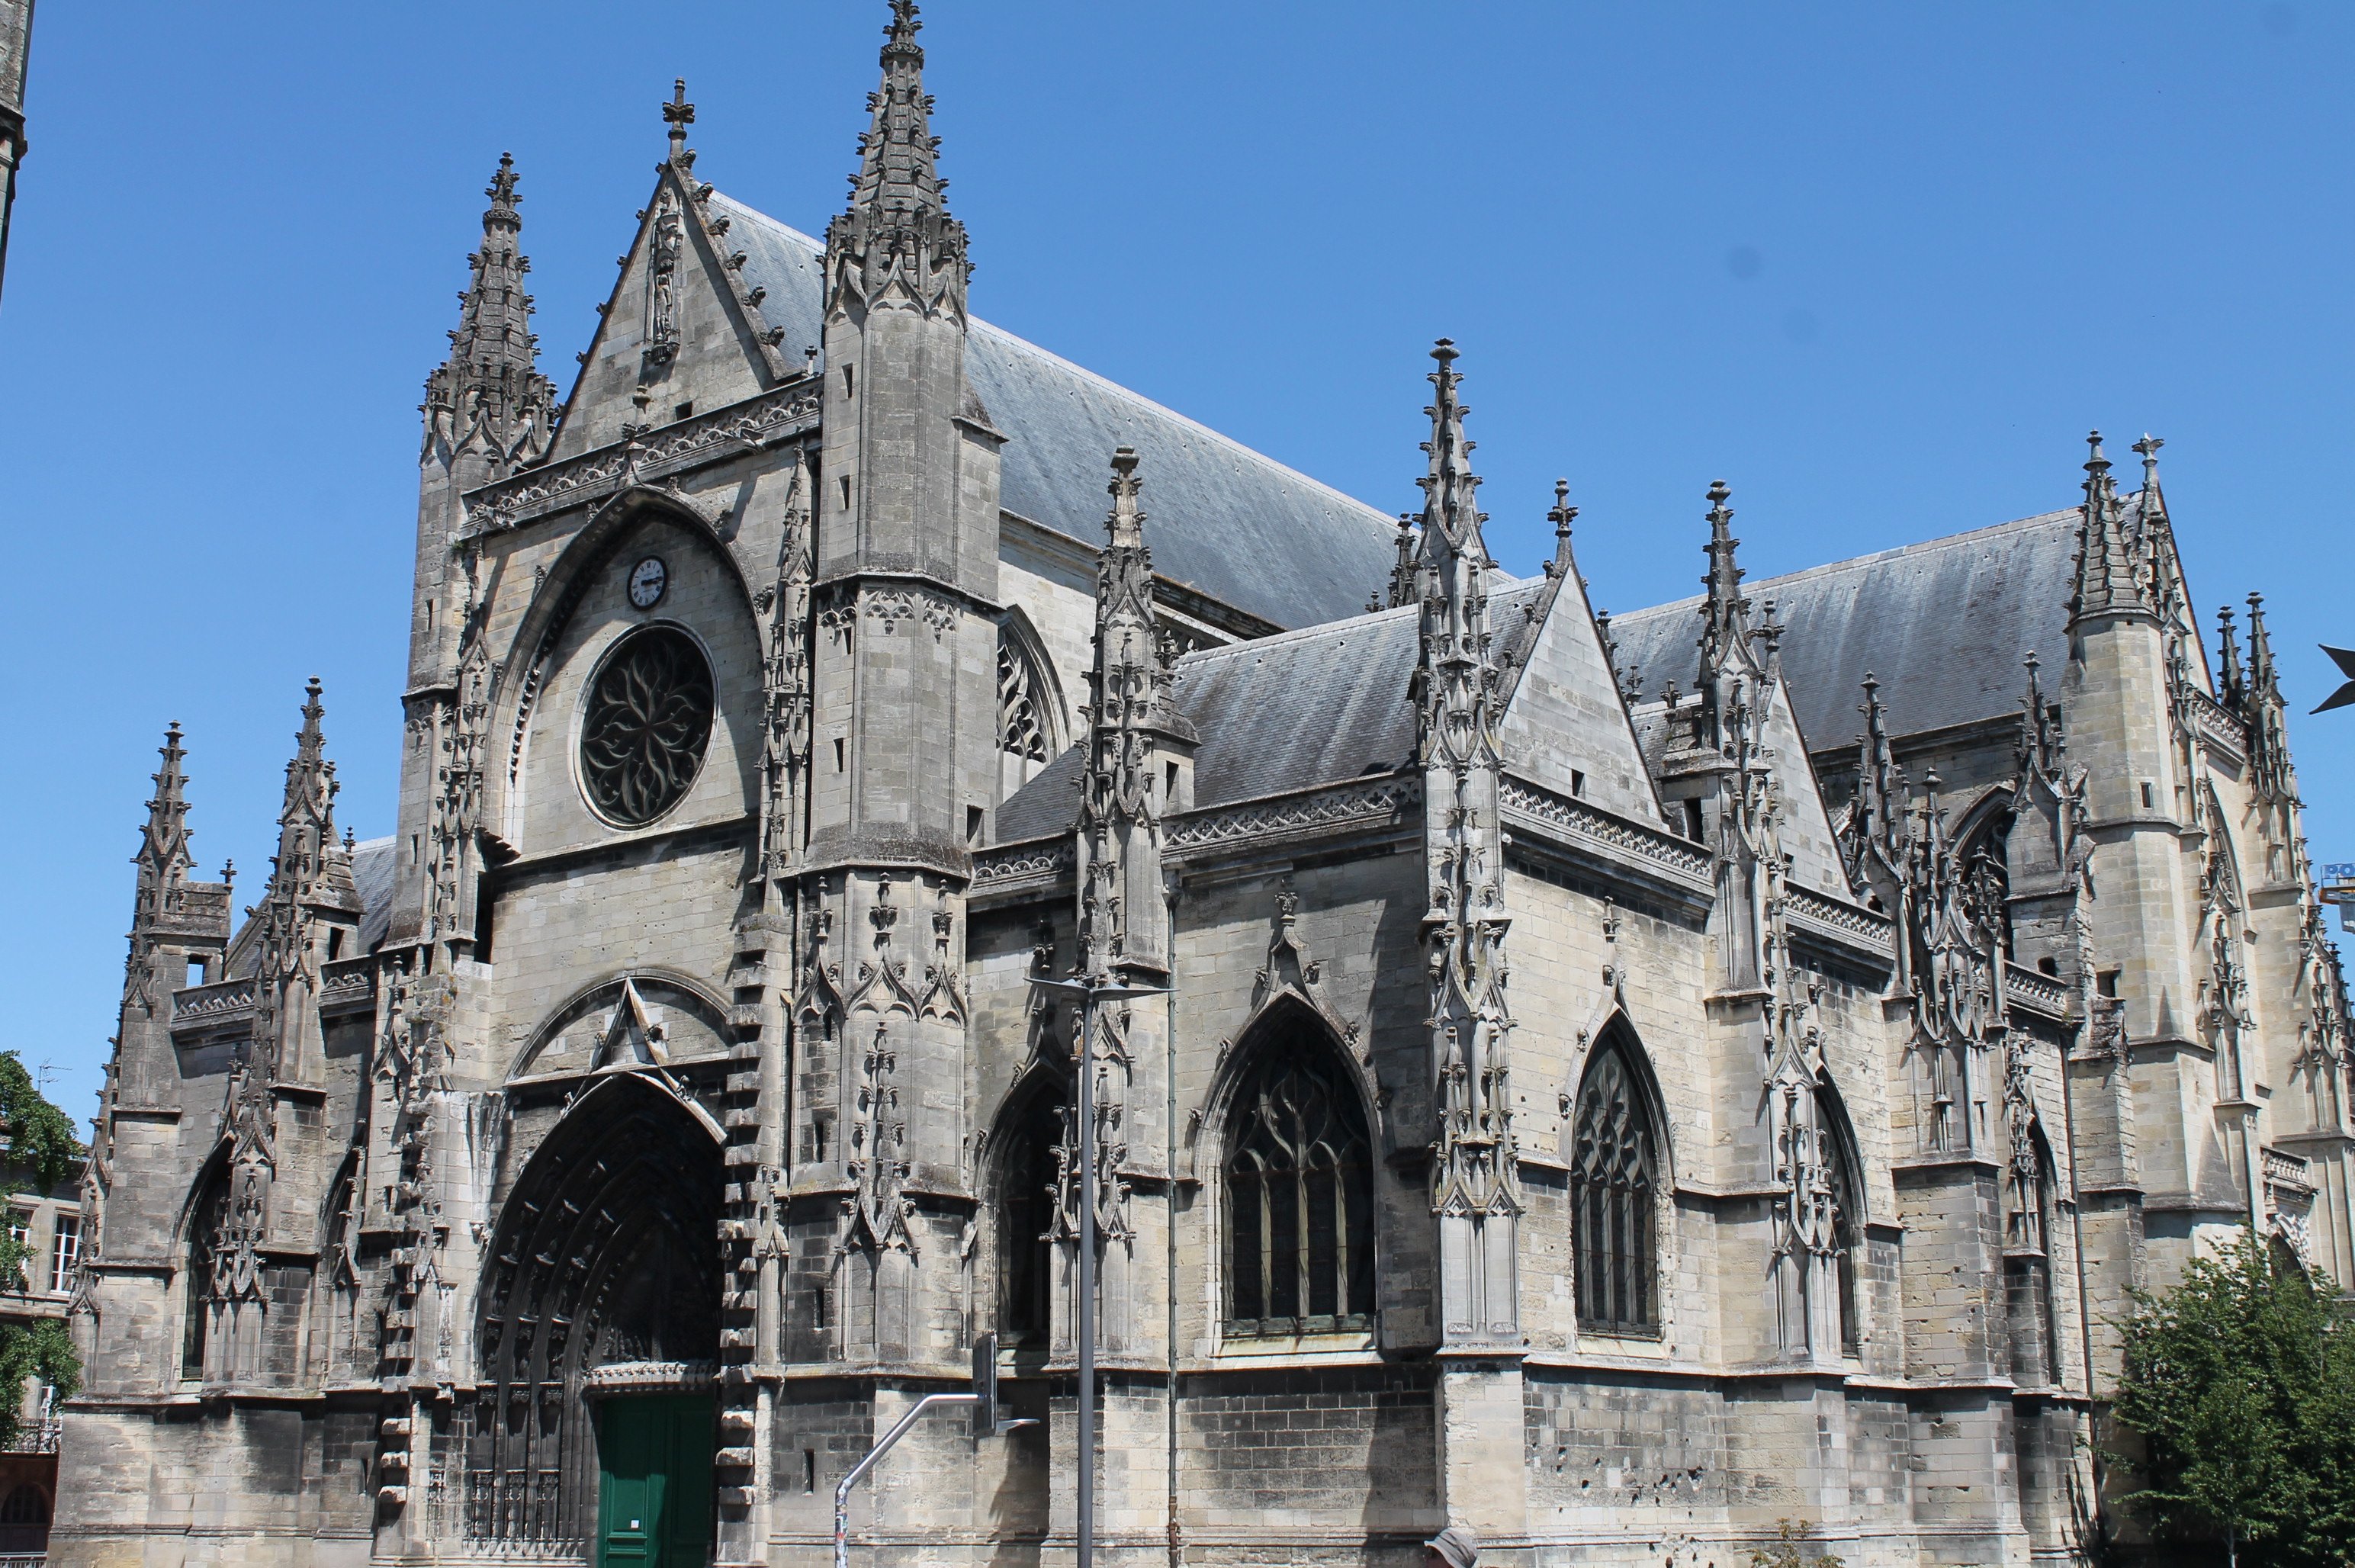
point(1944, 624)
point(372, 875)
point(1226, 521)
point(1288, 712)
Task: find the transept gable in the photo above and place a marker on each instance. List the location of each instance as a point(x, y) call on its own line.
point(682, 329)
point(1565, 724)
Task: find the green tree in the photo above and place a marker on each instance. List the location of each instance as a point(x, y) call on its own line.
point(2240, 1382)
point(41, 1152)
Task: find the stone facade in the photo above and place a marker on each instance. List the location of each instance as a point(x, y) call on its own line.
point(1568, 1105)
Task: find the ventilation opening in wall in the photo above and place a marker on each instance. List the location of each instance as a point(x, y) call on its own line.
point(837, 753)
point(821, 1307)
point(972, 815)
point(818, 1140)
point(809, 1471)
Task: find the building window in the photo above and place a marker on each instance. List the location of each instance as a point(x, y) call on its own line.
point(1300, 1198)
point(1614, 1185)
point(65, 1254)
point(1020, 732)
point(1026, 1218)
point(648, 721)
point(1848, 1217)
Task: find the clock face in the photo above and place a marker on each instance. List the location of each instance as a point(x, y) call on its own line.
point(647, 581)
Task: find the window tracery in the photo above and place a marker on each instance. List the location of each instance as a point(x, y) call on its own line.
point(1022, 732)
point(1299, 1191)
point(1847, 1218)
point(648, 725)
point(1613, 1188)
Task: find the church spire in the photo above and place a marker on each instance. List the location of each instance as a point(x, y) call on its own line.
point(2112, 578)
point(306, 821)
point(2263, 711)
point(1122, 926)
point(2230, 687)
point(1873, 843)
point(1451, 513)
point(896, 242)
point(488, 397)
point(164, 859)
point(2153, 502)
point(1474, 1189)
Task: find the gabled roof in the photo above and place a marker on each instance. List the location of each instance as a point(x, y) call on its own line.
point(1944, 624)
point(1226, 521)
point(1290, 712)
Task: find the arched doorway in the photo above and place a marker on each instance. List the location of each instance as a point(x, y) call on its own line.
point(600, 1335)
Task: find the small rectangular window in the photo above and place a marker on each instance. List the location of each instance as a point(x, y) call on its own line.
point(2106, 982)
point(849, 386)
point(2149, 795)
point(809, 1471)
point(1577, 783)
point(821, 1308)
point(837, 753)
point(1695, 829)
point(683, 412)
point(844, 483)
point(335, 942)
point(819, 1131)
point(65, 1254)
point(1170, 784)
point(196, 972)
point(972, 819)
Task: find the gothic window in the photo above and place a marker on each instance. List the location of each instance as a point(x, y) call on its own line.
point(1299, 1198)
point(1026, 1218)
point(1847, 1214)
point(1019, 733)
point(648, 721)
point(1614, 1186)
point(1029, 708)
point(227, 1308)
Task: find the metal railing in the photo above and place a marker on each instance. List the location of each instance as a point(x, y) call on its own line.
point(35, 1437)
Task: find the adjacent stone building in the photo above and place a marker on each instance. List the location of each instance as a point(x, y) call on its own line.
point(1609, 1091)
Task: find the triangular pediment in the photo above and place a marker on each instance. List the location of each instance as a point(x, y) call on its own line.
point(680, 329)
point(1565, 726)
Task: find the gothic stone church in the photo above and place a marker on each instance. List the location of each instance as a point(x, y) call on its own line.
point(1604, 1090)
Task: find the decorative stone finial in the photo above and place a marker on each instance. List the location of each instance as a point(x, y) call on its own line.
point(678, 115)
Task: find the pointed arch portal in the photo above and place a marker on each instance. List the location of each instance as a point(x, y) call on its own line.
point(603, 1287)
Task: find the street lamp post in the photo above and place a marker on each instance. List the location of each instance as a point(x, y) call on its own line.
point(1090, 992)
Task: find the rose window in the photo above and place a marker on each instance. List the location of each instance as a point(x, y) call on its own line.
point(649, 720)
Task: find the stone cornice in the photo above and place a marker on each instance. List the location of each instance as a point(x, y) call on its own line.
point(767, 420)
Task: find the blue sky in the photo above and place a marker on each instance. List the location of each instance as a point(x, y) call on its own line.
point(1879, 267)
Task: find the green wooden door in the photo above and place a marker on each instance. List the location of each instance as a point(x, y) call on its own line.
point(654, 1481)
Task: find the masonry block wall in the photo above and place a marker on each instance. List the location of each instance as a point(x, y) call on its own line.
point(1568, 1090)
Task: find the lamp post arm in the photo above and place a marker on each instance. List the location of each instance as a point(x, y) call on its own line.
point(874, 1455)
